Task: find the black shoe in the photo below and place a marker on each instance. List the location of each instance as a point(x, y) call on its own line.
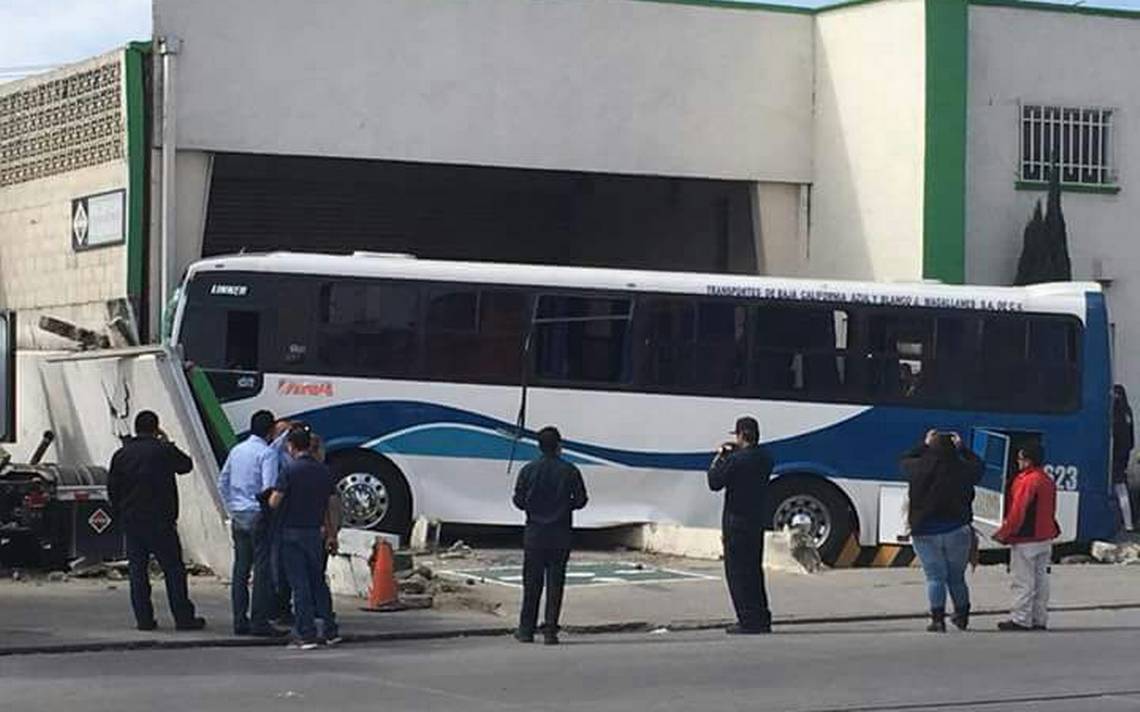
point(749, 630)
point(937, 621)
point(524, 637)
point(241, 630)
point(193, 624)
point(330, 642)
point(285, 619)
point(1013, 627)
point(550, 639)
point(961, 619)
point(147, 625)
point(268, 632)
point(1040, 627)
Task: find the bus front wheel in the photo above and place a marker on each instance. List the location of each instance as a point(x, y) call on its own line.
point(819, 505)
point(373, 493)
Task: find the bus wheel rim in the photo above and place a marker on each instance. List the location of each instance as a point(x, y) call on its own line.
point(364, 498)
point(801, 505)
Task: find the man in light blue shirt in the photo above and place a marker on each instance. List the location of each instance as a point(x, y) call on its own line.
point(246, 479)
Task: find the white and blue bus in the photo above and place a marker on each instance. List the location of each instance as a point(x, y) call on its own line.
point(416, 373)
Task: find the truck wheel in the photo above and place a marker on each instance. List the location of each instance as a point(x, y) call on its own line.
point(373, 493)
point(821, 505)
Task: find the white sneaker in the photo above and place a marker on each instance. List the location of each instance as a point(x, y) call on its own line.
point(302, 645)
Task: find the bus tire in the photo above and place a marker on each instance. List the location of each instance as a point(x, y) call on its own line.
point(373, 492)
point(829, 510)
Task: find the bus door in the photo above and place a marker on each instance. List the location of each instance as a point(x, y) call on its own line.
point(994, 449)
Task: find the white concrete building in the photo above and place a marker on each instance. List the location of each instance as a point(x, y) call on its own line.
point(876, 139)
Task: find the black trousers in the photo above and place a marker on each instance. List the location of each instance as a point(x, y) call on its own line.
point(744, 571)
point(549, 566)
point(160, 541)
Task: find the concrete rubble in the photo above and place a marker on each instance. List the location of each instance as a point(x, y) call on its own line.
point(458, 550)
point(1107, 552)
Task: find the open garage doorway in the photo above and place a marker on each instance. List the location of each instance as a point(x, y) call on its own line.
point(261, 203)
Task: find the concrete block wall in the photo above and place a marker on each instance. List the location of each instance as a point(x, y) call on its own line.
point(62, 137)
point(40, 273)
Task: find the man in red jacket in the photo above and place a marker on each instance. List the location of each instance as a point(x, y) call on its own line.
point(1029, 527)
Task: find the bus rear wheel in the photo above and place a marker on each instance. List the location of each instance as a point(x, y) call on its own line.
point(373, 493)
point(817, 504)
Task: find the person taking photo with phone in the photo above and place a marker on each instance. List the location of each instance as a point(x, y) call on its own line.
point(941, 474)
point(742, 468)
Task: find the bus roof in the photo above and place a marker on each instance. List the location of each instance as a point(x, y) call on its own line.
point(1060, 297)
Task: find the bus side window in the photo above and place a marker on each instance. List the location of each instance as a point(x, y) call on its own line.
point(582, 339)
point(798, 350)
point(721, 351)
point(504, 318)
point(1052, 363)
point(475, 335)
point(898, 353)
point(369, 329)
point(950, 371)
point(1002, 363)
point(665, 342)
point(451, 336)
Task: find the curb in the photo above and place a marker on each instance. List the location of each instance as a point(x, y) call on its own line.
point(243, 642)
point(503, 631)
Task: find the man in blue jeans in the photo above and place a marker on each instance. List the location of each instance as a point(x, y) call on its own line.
point(250, 471)
point(941, 474)
point(306, 499)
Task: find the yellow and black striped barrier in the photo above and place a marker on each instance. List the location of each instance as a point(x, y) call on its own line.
point(883, 556)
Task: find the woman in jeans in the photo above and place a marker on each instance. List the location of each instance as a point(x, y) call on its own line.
point(941, 474)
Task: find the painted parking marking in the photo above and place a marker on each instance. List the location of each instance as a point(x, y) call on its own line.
point(586, 573)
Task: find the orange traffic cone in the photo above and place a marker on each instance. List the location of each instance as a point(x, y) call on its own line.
point(383, 595)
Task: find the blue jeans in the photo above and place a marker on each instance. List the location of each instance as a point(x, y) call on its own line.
point(250, 531)
point(944, 558)
point(303, 554)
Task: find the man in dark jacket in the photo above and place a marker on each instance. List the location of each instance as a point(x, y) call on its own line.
point(1123, 440)
point(742, 469)
point(549, 490)
point(144, 497)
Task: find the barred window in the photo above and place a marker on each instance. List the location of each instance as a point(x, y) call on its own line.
point(1078, 139)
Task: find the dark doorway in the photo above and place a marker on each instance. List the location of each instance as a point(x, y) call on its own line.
point(260, 203)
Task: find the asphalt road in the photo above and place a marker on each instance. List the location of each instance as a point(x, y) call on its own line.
point(1089, 662)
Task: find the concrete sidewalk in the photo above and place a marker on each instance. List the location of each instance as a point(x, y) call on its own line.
point(79, 615)
point(832, 595)
point(37, 615)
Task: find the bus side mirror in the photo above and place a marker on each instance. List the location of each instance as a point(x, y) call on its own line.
point(7, 377)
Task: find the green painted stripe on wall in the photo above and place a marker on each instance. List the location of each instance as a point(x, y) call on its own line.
point(944, 189)
point(136, 170)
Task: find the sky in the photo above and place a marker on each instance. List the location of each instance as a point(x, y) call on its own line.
point(36, 35)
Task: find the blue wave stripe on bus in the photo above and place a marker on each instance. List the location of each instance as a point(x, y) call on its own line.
point(866, 446)
point(355, 424)
point(448, 440)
